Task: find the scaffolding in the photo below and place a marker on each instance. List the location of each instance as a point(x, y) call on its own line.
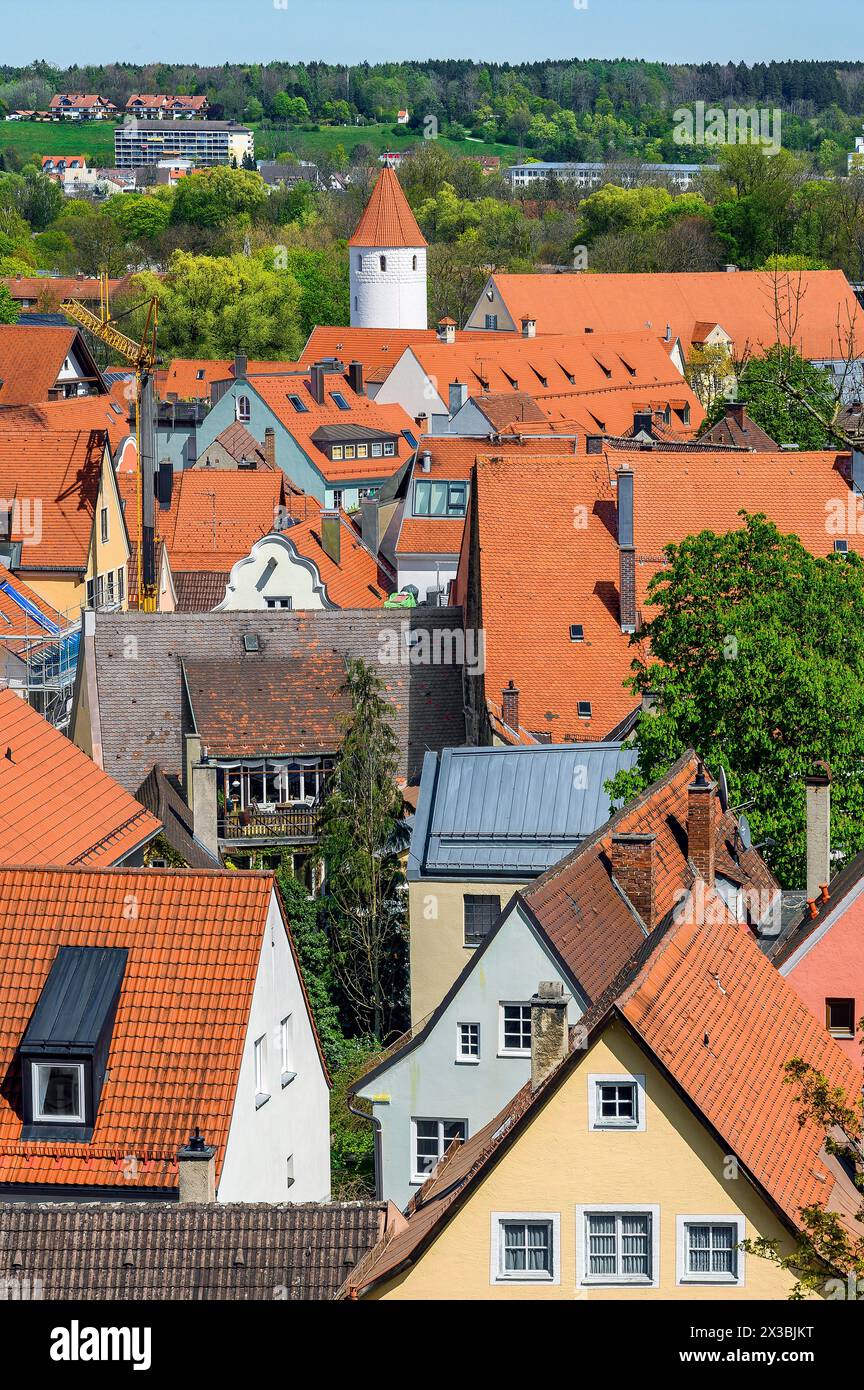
point(41, 656)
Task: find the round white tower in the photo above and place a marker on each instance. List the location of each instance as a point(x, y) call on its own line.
point(388, 262)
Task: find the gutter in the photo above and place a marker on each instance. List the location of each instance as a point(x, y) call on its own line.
point(376, 1128)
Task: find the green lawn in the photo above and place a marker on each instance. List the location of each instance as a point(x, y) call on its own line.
point(95, 139)
point(92, 138)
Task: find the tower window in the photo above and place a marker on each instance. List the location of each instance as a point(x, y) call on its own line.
point(413, 262)
point(359, 262)
point(383, 262)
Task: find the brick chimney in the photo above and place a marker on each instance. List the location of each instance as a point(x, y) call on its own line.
point(550, 1041)
point(633, 867)
point(818, 793)
point(701, 802)
point(510, 706)
point(270, 447)
point(626, 550)
point(734, 410)
point(196, 1162)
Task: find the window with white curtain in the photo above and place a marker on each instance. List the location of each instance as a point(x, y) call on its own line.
point(618, 1245)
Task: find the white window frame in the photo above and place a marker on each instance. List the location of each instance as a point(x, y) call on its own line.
point(286, 1049)
point(77, 1119)
point(259, 1058)
point(504, 1051)
point(104, 527)
point(596, 1120)
point(587, 1280)
point(682, 1276)
point(497, 1273)
point(420, 1178)
point(469, 1059)
point(244, 409)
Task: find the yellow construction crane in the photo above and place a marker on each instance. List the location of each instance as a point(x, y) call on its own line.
point(141, 356)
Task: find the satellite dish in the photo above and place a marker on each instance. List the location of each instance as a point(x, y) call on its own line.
point(744, 834)
point(723, 788)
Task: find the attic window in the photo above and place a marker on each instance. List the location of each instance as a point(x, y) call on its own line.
point(577, 632)
point(299, 405)
point(841, 547)
point(583, 709)
point(251, 642)
point(199, 375)
point(58, 1092)
point(338, 399)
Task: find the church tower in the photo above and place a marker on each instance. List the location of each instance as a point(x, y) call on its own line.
point(388, 262)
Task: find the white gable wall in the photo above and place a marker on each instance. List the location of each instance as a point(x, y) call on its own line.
point(295, 1120)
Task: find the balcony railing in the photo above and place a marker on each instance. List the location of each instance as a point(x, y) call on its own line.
point(282, 823)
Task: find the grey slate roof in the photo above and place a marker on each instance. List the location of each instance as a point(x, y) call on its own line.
point(510, 811)
point(131, 670)
point(188, 1250)
point(158, 796)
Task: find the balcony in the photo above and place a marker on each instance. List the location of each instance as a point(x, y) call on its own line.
point(296, 824)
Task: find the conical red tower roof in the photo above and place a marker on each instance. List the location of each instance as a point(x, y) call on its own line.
point(388, 220)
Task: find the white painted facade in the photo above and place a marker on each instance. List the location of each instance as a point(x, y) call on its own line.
point(275, 575)
point(388, 287)
point(409, 386)
point(426, 572)
point(289, 1131)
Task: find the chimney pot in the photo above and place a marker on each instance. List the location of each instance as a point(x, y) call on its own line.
point(818, 794)
point(510, 706)
point(550, 1038)
point(196, 1162)
point(633, 867)
point(529, 327)
point(701, 801)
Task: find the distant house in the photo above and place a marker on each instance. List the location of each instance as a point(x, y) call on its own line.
point(577, 924)
point(63, 531)
point(127, 963)
point(278, 174)
point(242, 710)
point(606, 1175)
point(321, 561)
point(159, 107)
point(330, 439)
point(819, 951)
point(40, 362)
point(42, 292)
point(80, 106)
point(403, 117)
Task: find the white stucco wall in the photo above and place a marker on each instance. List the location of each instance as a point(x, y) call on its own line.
point(273, 569)
point(295, 1120)
point(428, 1083)
point(408, 386)
point(391, 298)
point(420, 570)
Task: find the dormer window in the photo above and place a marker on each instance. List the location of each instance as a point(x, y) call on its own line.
point(64, 1052)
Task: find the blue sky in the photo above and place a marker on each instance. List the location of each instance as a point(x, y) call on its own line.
point(216, 31)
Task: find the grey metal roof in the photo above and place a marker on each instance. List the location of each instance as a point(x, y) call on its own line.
point(510, 811)
point(77, 998)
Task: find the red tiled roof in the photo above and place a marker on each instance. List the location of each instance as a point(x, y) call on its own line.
point(194, 942)
point(56, 806)
point(359, 580)
point(56, 476)
point(379, 349)
point(74, 415)
point(387, 219)
point(719, 1019)
point(561, 511)
point(248, 709)
point(216, 515)
point(19, 632)
point(192, 378)
point(53, 289)
point(31, 358)
point(743, 303)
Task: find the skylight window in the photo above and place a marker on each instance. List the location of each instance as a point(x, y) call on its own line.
point(406, 434)
point(299, 404)
point(251, 642)
point(338, 399)
point(577, 632)
point(583, 709)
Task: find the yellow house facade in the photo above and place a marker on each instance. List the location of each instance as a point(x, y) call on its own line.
point(573, 1179)
point(440, 915)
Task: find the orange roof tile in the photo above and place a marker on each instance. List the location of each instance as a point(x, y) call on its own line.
point(743, 302)
point(79, 413)
point(31, 358)
point(192, 378)
point(561, 511)
point(53, 475)
point(387, 219)
point(56, 806)
point(721, 1022)
point(377, 348)
point(217, 515)
point(194, 942)
point(359, 580)
point(19, 632)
